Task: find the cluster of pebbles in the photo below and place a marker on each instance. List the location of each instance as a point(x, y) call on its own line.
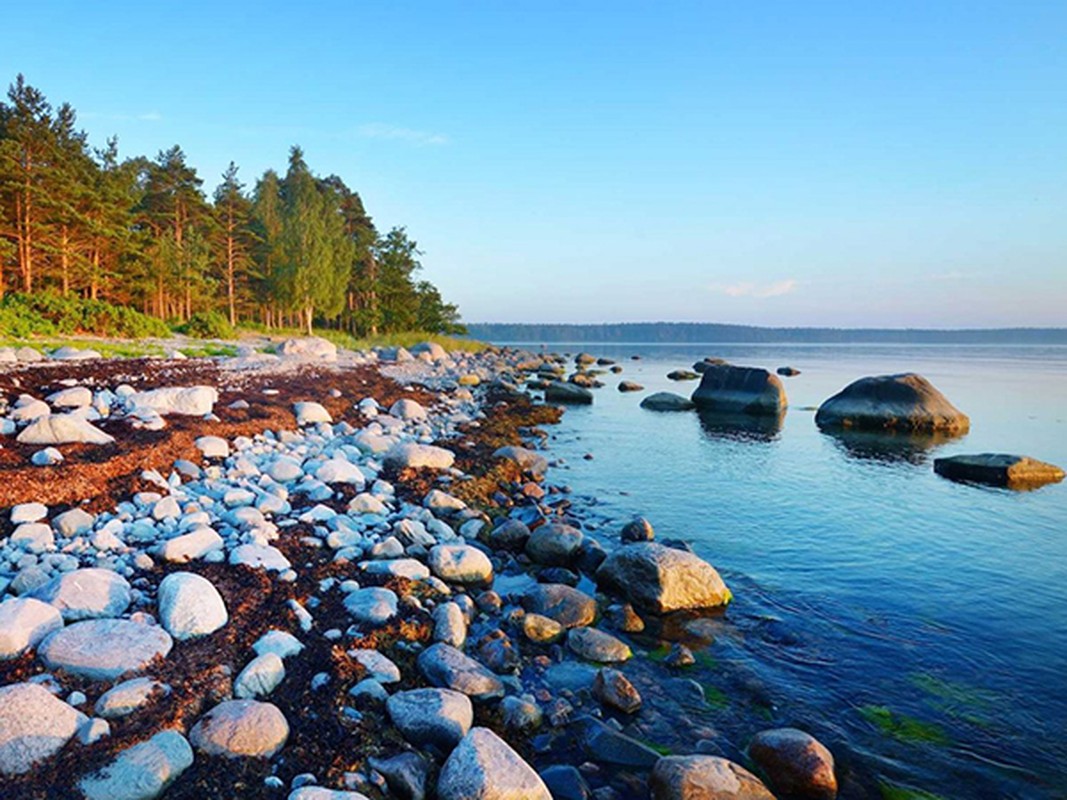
point(336, 561)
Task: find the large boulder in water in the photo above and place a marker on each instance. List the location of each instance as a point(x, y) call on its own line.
point(905, 403)
point(795, 763)
point(666, 401)
point(999, 469)
point(746, 390)
point(559, 392)
point(704, 778)
point(661, 579)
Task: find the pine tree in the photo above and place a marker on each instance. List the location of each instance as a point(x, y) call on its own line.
point(233, 213)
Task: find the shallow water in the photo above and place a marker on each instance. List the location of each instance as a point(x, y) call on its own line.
point(915, 624)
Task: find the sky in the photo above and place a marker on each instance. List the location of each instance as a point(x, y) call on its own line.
point(896, 164)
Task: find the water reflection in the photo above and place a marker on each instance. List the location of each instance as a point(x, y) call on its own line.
point(887, 447)
point(741, 427)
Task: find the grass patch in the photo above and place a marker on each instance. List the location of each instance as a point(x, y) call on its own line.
point(891, 791)
point(902, 727)
point(954, 693)
point(209, 350)
point(106, 349)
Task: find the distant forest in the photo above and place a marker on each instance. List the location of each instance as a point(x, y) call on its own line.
point(294, 249)
point(705, 332)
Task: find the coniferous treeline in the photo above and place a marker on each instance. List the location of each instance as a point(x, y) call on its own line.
point(293, 250)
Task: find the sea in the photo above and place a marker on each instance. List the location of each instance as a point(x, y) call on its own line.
point(917, 626)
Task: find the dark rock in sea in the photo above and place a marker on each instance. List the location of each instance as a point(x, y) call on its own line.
point(703, 365)
point(558, 575)
point(622, 617)
point(616, 369)
point(666, 401)
point(511, 534)
point(558, 392)
point(704, 778)
point(999, 469)
point(740, 427)
point(788, 372)
point(638, 529)
point(584, 359)
point(630, 386)
point(679, 656)
point(568, 606)
point(905, 402)
point(565, 783)
point(682, 375)
point(591, 555)
point(605, 362)
point(584, 379)
point(498, 652)
point(614, 689)
point(554, 544)
point(795, 764)
point(662, 579)
point(746, 390)
point(607, 746)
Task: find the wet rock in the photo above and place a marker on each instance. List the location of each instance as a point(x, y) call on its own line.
point(484, 767)
point(630, 386)
point(511, 534)
point(141, 772)
point(679, 656)
point(608, 746)
point(667, 401)
point(788, 372)
point(375, 605)
point(662, 579)
point(438, 717)
point(998, 469)
point(559, 392)
point(614, 689)
point(124, 698)
point(565, 782)
point(24, 622)
point(190, 606)
point(496, 651)
point(407, 455)
point(528, 460)
point(541, 629)
point(595, 645)
point(34, 725)
point(795, 763)
point(554, 544)
point(704, 778)
point(566, 605)
point(638, 529)
point(236, 728)
point(104, 649)
point(746, 390)
point(446, 667)
point(88, 593)
point(683, 375)
point(63, 429)
point(622, 617)
point(407, 775)
point(904, 402)
point(460, 563)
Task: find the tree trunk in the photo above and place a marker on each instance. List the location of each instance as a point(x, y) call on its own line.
point(309, 312)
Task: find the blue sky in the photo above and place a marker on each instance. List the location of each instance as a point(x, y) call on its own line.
point(853, 164)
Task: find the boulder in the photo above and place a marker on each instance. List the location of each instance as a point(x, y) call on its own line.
point(236, 728)
point(666, 401)
point(638, 529)
point(460, 563)
point(34, 725)
point(796, 764)
point(608, 746)
point(484, 767)
point(433, 349)
point(190, 606)
point(89, 593)
point(998, 469)
point(191, 546)
point(554, 544)
point(310, 413)
point(409, 455)
point(528, 460)
point(614, 689)
point(340, 470)
point(704, 778)
point(630, 386)
point(67, 353)
point(901, 403)
point(374, 606)
point(595, 645)
point(746, 390)
point(74, 397)
point(193, 401)
point(104, 649)
point(560, 392)
point(24, 622)
point(566, 605)
point(28, 512)
point(378, 666)
point(438, 717)
point(63, 429)
point(661, 579)
point(141, 772)
point(260, 677)
point(212, 446)
point(408, 409)
point(446, 667)
point(683, 375)
point(311, 348)
point(406, 774)
point(510, 534)
point(541, 629)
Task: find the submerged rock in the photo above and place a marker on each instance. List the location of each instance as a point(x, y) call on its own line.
point(795, 763)
point(998, 469)
point(667, 401)
point(559, 392)
point(484, 767)
point(704, 778)
point(745, 390)
point(906, 402)
point(662, 579)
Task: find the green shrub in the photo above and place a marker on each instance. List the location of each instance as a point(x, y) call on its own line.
point(47, 314)
point(208, 325)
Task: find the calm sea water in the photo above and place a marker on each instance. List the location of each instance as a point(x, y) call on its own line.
point(917, 625)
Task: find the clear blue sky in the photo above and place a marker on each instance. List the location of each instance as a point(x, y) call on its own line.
point(794, 163)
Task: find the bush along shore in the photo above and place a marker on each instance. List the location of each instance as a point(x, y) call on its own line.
point(322, 574)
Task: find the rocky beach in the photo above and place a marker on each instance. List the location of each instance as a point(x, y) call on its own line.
point(313, 574)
